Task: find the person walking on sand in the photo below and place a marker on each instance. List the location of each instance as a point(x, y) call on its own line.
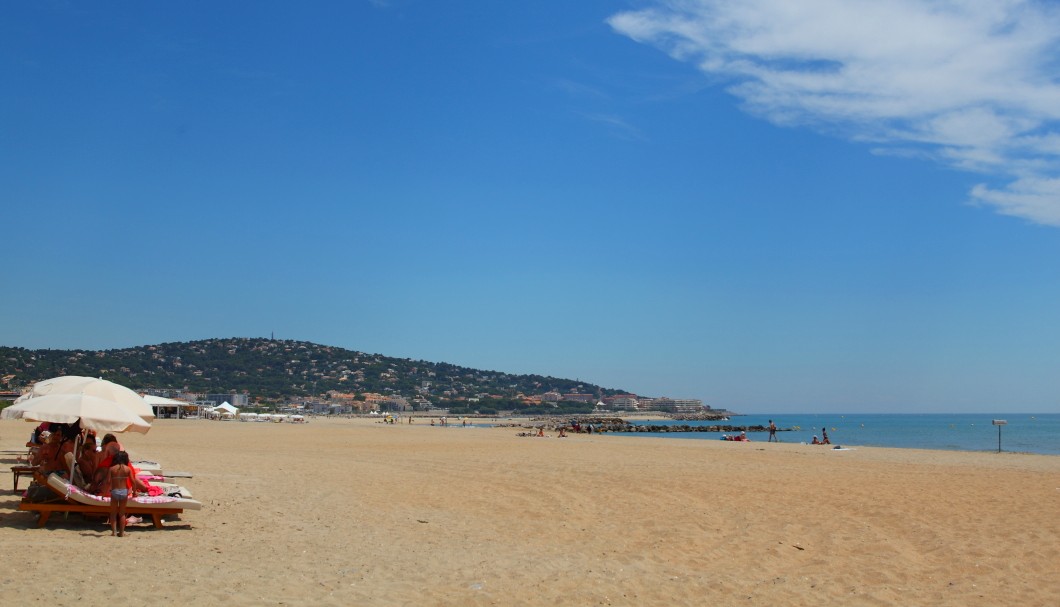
point(772, 432)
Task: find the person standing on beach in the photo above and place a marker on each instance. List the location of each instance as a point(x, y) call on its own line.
point(824, 437)
point(772, 432)
point(117, 480)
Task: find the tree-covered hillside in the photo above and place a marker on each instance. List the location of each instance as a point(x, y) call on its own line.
point(268, 368)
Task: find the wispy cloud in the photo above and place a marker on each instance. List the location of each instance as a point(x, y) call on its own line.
point(618, 126)
point(974, 84)
point(579, 89)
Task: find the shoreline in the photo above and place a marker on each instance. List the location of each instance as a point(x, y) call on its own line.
point(756, 433)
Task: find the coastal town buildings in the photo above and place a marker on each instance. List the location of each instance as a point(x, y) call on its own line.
point(239, 401)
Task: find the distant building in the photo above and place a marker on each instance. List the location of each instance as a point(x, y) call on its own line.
point(579, 398)
point(238, 401)
point(624, 402)
point(322, 408)
point(678, 405)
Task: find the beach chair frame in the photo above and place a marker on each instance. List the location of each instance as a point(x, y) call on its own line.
point(75, 500)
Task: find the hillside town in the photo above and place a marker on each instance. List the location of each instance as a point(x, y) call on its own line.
point(348, 403)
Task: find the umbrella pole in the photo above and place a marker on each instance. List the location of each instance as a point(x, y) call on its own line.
point(78, 443)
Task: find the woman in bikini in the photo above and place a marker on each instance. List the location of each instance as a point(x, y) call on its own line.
point(104, 460)
point(117, 480)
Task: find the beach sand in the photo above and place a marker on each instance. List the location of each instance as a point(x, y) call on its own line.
point(355, 512)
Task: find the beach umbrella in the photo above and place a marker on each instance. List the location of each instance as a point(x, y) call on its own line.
point(91, 386)
point(95, 413)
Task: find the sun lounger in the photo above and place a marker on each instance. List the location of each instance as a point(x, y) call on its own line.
point(172, 489)
point(17, 471)
point(178, 474)
point(155, 468)
point(146, 466)
point(76, 500)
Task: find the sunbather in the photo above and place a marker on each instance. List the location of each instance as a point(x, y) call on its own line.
point(53, 453)
point(105, 459)
point(88, 462)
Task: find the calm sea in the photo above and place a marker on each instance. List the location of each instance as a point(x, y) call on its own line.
point(1026, 433)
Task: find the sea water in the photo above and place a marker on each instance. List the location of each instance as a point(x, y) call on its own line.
point(1024, 432)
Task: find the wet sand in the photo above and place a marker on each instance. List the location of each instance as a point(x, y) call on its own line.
point(355, 512)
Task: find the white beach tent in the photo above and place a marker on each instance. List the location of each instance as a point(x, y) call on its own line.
point(225, 407)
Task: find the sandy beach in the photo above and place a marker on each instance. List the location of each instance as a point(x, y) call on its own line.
point(356, 512)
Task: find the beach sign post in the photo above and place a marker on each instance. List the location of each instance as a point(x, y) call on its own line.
point(999, 423)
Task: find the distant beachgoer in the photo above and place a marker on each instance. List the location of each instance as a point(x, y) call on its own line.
point(562, 434)
point(541, 431)
point(816, 441)
point(772, 432)
point(824, 437)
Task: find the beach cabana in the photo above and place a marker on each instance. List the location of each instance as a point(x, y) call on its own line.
point(157, 402)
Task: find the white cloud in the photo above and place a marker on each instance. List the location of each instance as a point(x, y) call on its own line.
point(973, 83)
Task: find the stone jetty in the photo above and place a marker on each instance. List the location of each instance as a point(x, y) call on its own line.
point(617, 424)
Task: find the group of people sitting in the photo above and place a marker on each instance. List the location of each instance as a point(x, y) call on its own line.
point(822, 441)
point(741, 437)
point(54, 448)
point(102, 469)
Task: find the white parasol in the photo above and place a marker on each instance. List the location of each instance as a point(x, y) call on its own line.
point(91, 386)
point(94, 412)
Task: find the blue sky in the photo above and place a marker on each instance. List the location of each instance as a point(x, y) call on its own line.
point(771, 206)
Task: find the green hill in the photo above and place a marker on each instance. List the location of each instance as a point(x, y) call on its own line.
point(272, 369)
